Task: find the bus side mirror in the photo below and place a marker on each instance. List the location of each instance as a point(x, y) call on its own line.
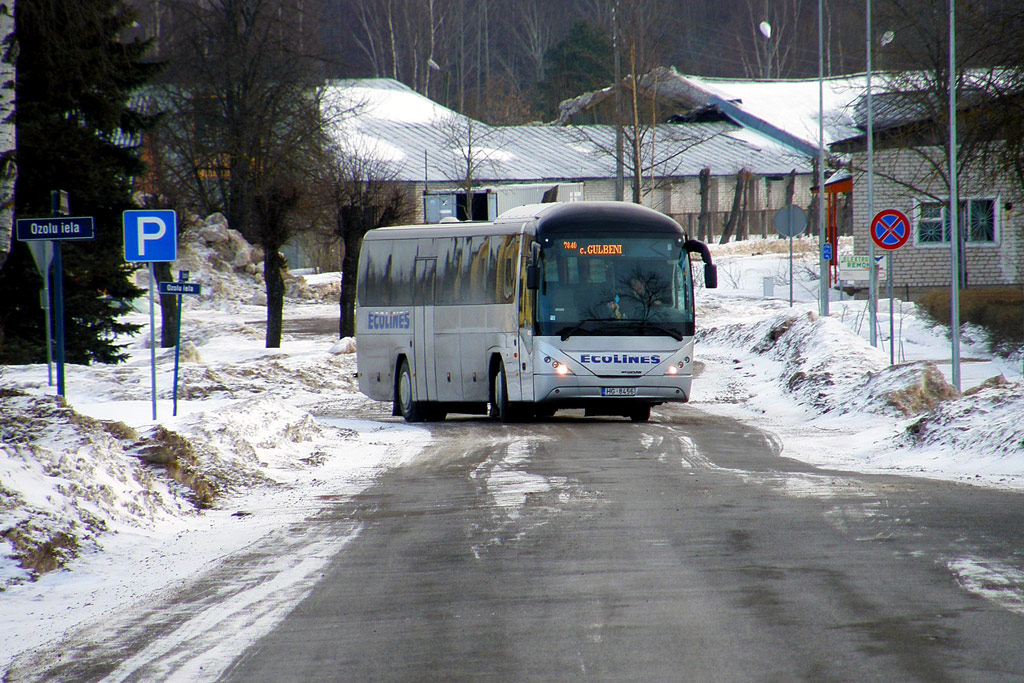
point(533, 277)
point(710, 276)
point(710, 270)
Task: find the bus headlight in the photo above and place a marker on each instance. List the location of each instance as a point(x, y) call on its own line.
point(560, 368)
point(672, 370)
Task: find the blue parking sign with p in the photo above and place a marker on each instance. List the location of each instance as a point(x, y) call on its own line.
point(150, 236)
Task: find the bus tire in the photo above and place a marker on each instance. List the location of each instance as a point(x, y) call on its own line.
point(501, 408)
point(411, 410)
point(640, 414)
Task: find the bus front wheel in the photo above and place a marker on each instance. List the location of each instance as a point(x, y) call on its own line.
point(411, 410)
point(501, 407)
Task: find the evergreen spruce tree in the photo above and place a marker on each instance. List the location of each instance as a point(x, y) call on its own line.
point(75, 132)
point(580, 62)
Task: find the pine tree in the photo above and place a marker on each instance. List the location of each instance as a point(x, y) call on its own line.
point(75, 132)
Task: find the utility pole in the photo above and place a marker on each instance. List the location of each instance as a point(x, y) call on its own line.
point(954, 208)
point(620, 184)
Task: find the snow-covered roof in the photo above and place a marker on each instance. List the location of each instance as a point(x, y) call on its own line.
point(421, 140)
point(792, 105)
point(785, 110)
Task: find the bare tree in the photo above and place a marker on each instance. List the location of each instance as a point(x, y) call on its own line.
point(739, 206)
point(359, 193)
point(475, 149)
point(642, 28)
point(399, 39)
point(247, 119)
point(774, 28)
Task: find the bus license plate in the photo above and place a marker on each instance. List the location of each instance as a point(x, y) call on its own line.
point(618, 391)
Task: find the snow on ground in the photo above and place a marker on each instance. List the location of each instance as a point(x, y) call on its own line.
point(833, 398)
point(125, 504)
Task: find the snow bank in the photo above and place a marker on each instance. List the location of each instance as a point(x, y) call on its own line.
point(824, 365)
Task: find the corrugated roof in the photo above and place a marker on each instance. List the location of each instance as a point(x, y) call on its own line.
point(421, 140)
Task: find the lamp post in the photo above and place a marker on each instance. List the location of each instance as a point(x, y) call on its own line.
point(822, 263)
point(620, 179)
point(872, 270)
point(954, 208)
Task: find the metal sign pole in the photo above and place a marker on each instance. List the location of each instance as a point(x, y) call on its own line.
point(45, 302)
point(58, 292)
point(152, 334)
point(177, 355)
point(791, 266)
point(58, 313)
point(182, 277)
point(892, 327)
point(789, 221)
point(43, 254)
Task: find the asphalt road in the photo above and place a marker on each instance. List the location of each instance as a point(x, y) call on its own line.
point(686, 549)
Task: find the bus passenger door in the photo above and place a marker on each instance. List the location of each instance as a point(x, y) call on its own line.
point(527, 299)
point(423, 330)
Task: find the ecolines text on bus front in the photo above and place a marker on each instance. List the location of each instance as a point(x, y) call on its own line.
point(620, 359)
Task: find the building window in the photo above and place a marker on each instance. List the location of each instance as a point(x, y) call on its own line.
point(931, 226)
point(977, 221)
point(981, 220)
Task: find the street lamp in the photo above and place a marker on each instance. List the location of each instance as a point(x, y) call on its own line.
point(766, 30)
point(822, 263)
point(954, 208)
point(872, 270)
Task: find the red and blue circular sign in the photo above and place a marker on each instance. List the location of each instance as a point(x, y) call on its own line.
point(890, 229)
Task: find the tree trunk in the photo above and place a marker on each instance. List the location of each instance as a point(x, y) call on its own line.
point(704, 220)
point(349, 275)
point(274, 207)
point(737, 204)
point(168, 307)
point(273, 263)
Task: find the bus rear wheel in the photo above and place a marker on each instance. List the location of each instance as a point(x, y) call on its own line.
point(411, 410)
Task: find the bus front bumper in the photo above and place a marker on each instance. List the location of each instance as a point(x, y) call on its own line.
point(571, 389)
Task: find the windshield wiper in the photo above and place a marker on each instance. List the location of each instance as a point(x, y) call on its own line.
point(644, 324)
point(569, 331)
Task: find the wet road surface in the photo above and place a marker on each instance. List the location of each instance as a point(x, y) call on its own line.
point(683, 550)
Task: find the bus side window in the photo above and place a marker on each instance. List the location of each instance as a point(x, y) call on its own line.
point(378, 253)
point(402, 265)
point(448, 270)
point(504, 273)
point(423, 292)
point(476, 263)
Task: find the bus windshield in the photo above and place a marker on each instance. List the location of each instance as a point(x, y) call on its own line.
point(615, 286)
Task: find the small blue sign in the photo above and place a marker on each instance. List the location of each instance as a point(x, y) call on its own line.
point(150, 236)
point(826, 251)
point(179, 288)
point(79, 228)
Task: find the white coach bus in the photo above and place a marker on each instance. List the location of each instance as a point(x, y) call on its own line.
point(565, 305)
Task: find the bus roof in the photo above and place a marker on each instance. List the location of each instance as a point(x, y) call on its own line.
point(459, 229)
point(555, 217)
point(581, 216)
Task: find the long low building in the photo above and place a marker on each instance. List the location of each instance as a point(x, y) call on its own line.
point(441, 153)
